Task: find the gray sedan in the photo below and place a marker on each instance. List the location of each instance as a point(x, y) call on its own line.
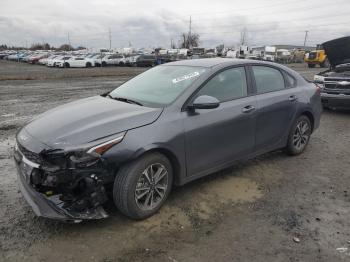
point(167, 126)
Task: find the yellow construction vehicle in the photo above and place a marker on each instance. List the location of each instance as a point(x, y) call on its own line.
point(317, 57)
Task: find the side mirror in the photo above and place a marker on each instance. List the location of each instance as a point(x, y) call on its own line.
point(205, 102)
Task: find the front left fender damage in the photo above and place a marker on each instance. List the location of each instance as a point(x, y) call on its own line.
point(62, 188)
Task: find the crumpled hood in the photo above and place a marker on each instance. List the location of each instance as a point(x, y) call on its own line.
point(88, 119)
point(338, 51)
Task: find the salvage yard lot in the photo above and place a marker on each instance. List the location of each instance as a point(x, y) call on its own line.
point(250, 212)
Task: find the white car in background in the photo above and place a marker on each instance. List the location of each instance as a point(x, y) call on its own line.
point(130, 60)
point(113, 59)
point(74, 61)
point(44, 61)
point(59, 60)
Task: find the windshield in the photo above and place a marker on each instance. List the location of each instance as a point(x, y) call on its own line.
point(159, 86)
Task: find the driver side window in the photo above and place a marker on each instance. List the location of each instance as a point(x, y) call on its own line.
point(226, 85)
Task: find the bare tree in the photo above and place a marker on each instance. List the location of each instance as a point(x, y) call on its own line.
point(189, 40)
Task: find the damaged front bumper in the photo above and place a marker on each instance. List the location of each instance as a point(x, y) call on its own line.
point(82, 203)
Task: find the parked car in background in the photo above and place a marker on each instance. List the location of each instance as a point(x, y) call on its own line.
point(113, 59)
point(130, 59)
point(97, 59)
point(58, 61)
point(34, 59)
point(146, 60)
point(74, 62)
point(44, 61)
point(167, 126)
point(335, 82)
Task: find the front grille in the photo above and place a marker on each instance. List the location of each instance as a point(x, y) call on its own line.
point(335, 79)
point(335, 85)
point(34, 157)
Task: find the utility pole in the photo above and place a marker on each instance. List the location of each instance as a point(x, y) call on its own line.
point(110, 39)
point(306, 33)
point(69, 41)
point(189, 34)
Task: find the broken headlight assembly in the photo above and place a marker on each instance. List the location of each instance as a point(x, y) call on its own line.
point(79, 157)
point(89, 157)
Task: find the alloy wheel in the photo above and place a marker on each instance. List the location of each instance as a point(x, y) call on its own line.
point(301, 135)
point(151, 186)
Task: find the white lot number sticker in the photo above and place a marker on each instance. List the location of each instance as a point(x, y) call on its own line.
point(185, 77)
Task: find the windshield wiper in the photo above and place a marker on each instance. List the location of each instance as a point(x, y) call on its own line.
point(126, 100)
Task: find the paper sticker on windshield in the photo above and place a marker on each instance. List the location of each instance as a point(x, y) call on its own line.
point(185, 77)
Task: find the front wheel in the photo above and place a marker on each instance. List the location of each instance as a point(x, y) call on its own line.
point(311, 65)
point(299, 136)
point(142, 186)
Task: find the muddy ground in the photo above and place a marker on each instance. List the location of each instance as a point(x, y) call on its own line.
point(250, 212)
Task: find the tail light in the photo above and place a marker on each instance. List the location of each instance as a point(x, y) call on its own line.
point(318, 88)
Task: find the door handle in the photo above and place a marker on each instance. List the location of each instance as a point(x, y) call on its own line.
point(293, 98)
point(248, 109)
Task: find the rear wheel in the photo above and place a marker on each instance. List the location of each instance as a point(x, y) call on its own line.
point(104, 64)
point(66, 65)
point(142, 186)
point(299, 136)
point(311, 65)
point(88, 64)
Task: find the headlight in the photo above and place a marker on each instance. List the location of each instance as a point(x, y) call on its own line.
point(102, 148)
point(88, 157)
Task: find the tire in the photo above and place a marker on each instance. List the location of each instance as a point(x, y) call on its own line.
point(299, 136)
point(131, 183)
point(104, 64)
point(311, 65)
point(66, 65)
point(88, 64)
point(121, 64)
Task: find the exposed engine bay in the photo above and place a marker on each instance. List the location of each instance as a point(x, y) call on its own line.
point(75, 184)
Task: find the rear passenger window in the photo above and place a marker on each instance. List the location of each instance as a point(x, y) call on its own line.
point(268, 79)
point(227, 85)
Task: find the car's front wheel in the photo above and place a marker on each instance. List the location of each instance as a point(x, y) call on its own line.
point(142, 186)
point(299, 136)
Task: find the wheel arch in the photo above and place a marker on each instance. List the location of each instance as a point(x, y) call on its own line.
point(311, 117)
point(174, 161)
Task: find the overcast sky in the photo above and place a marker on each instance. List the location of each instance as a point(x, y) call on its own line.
point(155, 22)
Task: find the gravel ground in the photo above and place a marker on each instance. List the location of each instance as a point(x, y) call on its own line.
point(272, 208)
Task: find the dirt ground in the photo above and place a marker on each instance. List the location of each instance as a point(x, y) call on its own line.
point(250, 212)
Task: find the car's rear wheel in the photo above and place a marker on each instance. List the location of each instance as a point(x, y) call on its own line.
point(104, 64)
point(142, 186)
point(88, 64)
point(311, 65)
point(66, 65)
point(299, 136)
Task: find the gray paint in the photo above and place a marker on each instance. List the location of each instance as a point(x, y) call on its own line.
point(199, 142)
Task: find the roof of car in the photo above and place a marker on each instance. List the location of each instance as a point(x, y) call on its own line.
point(211, 62)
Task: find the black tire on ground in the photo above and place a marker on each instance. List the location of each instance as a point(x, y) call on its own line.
point(104, 63)
point(88, 64)
point(66, 65)
point(299, 136)
point(121, 64)
point(311, 65)
point(127, 183)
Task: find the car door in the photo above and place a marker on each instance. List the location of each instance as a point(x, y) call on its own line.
point(277, 106)
point(215, 137)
